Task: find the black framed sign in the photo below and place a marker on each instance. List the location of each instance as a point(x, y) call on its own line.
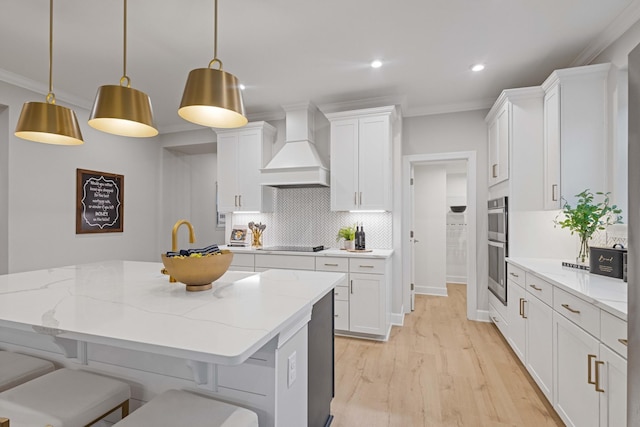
point(99, 202)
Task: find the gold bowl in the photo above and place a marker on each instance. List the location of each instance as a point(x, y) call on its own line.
point(198, 272)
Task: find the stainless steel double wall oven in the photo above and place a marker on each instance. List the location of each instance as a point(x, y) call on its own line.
point(498, 247)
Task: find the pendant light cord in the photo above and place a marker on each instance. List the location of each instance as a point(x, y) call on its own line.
point(215, 37)
point(51, 98)
point(125, 78)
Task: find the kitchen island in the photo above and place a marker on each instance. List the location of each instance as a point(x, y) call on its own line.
point(237, 342)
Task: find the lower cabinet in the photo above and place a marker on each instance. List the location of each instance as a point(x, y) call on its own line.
point(366, 303)
point(612, 381)
point(516, 301)
point(539, 360)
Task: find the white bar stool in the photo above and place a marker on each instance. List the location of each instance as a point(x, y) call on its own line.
point(64, 398)
point(16, 369)
point(181, 408)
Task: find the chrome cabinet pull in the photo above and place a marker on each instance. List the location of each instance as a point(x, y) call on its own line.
point(535, 287)
point(351, 286)
point(361, 197)
point(330, 265)
point(235, 203)
point(590, 357)
point(355, 198)
point(335, 315)
point(495, 319)
point(240, 200)
point(623, 341)
point(493, 171)
point(597, 382)
point(366, 266)
point(514, 274)
point(570, 309)
point(554, 195)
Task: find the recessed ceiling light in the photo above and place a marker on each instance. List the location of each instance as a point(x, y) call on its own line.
point(242, 87)
point(477, 67)
point(376, 64)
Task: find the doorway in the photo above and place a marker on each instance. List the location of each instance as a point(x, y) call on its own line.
point(434, 165)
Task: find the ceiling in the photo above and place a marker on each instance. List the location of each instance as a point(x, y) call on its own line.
point(292, 51)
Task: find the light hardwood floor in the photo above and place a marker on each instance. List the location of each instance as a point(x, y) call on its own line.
point(439, 369)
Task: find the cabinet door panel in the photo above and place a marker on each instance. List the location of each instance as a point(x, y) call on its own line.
point(227, 173)
point(613, 380)
point(516, 304)
point(366, 309)
point(250, 162)
point(539, 340)
point(503, 144)
point(493, 152)
point(576, 401)
point(374, 163)
point(344, 164)
point(552, 148)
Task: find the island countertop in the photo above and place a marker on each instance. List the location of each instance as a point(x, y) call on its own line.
point(132, 305)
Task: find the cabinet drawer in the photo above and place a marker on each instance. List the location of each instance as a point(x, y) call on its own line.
point(516, 274)
point(341, 315)
point(243, 260)
point(288, 262)
point(341, 293)
point(367, 265)
point(332, 264)
point(539, 288)
point(499, 321)
point(578, 311)
point(613, 333)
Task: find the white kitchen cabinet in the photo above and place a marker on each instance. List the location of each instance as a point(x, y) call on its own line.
point(515, 153)
point(516, 301)
point(241, 154)
point(499, 144)
point(612, 382)
point(576, 133)
point(368, 296)
point(361, 159)
point(242, 262)
point(539, 354)
point(574, 355)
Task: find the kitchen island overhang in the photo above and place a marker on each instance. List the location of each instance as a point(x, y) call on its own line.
point(131, 309)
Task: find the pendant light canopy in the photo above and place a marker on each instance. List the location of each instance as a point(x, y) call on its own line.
point(212, 96)
point(122, 110)
point(45, 121)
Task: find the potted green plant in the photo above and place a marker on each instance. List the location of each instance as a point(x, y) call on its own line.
point(587, 217)
point(349, 235)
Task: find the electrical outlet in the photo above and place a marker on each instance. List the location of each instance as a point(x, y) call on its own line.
point(291, 369)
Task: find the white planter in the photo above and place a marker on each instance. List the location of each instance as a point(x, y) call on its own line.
point(349, 244)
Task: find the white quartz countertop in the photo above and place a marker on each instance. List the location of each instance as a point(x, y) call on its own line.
point(605, 292)
point(375, 253)
point(132, 305)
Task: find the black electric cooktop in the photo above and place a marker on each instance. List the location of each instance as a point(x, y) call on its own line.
point(294, 248)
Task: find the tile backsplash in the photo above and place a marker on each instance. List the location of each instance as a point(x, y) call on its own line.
point(303, 217)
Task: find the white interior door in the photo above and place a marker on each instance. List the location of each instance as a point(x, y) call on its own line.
point(412, 242)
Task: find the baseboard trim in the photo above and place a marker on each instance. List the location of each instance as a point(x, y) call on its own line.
point(397, 319)
point(431, 290)
point(483, 316)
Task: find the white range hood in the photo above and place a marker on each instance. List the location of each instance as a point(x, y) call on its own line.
point(298, 163)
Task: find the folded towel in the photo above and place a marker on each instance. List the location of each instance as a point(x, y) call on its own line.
point(212, 249)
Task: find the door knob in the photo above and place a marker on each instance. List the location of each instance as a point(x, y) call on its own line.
point(416, 241)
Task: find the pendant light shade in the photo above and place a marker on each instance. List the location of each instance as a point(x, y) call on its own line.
point(212, 97)
point(47, 122)
point(122, 110)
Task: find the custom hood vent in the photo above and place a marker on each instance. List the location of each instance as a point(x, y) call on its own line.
point(298, 163)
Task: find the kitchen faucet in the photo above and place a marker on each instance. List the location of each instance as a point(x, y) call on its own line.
point(174, 238)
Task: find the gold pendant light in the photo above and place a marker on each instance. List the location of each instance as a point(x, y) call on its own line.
point(122, 110)
point(45, 121)
point(212, 96)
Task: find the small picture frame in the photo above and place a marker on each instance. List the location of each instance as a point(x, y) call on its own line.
point(239, 236)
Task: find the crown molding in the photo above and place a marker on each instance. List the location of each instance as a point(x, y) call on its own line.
point(480, 104)
point(625, 20)
point(360, 104)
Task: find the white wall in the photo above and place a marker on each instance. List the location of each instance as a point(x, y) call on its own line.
point(42, 193)
point(4, 190)
point(445, 133)
point(430, 204)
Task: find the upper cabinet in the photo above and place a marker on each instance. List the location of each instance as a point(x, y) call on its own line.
point(576, 133)
point(361, 159)
point(241, 154)
point(515, 151)
point(499, 142)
